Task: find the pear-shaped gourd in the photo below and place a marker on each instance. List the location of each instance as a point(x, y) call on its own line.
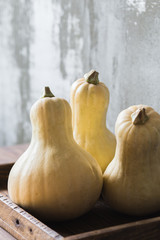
point(132, 179)
point(89, 102)
point(55, 179)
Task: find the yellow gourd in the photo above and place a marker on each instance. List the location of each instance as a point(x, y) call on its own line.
point(55, 179)
point(132, 179)
point(89, 102)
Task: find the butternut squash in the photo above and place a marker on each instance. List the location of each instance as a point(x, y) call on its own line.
point(54, 179)
point(132, 179)
point(89, 103)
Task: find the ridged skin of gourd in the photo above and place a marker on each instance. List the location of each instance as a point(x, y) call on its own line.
point(89, 105)
point(132, 179)
point(55, 179)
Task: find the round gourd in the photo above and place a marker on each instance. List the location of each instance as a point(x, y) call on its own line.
point(132, 179)
point(55, 179)
point(89, 102)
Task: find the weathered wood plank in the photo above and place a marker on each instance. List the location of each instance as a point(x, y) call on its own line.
point(21, 224)
point(145, 230)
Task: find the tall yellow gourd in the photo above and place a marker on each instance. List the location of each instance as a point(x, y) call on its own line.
point(132, 179)
point(89, 102)
point(55, 179)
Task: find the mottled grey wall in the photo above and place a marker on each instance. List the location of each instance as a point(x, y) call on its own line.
point(54, 42)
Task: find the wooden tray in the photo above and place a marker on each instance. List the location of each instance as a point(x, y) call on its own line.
point(100, 223)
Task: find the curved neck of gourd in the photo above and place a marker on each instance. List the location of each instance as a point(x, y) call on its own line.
point(50, 130)
point(55, 137)
point(91, 124)
point(99, 122)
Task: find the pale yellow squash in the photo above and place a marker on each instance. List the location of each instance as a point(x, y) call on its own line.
point(89, 102)
point(55, 179)
point(132, 179)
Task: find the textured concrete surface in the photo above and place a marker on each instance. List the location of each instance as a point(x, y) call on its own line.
point(51, 42)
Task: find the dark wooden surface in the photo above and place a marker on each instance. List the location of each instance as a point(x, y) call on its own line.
point(8, 155)
point(100, 223)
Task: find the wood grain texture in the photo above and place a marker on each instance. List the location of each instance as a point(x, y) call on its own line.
point(21, 224)
point(24, 226)
point(145, 230)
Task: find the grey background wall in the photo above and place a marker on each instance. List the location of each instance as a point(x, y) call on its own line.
point(54, 42)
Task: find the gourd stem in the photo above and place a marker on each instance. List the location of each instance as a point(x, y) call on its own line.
point(92, 77)
point(47, 93)
point(139, 116)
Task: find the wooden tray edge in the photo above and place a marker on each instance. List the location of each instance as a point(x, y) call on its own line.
point(20, 223)
point(123, 231)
